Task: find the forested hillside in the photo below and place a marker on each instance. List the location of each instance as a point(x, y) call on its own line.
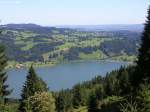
point(30, 42)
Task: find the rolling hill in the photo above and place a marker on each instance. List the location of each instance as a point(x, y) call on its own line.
point(35, 43)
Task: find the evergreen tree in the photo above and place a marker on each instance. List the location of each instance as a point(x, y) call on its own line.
point(143, 64)
point(123, 81)
point(4, 91)
point(100, 92)
point(32, 85)
point(64, 101)
point(141, 91)
point(111, 83)
point(79, 96)
point(95, 99)
point(60, 103)
point(144, 98)
point(93, 103)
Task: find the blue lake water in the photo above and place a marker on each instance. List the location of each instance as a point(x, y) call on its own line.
point(64, 75)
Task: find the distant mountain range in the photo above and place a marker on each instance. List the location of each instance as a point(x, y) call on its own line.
point(113, 27)
point(109, 27)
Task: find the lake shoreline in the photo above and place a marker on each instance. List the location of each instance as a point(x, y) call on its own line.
point(55, 63)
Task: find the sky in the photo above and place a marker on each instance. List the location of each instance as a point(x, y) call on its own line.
point(73, 12)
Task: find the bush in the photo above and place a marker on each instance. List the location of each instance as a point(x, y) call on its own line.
point(129, 107)
point(42, 102)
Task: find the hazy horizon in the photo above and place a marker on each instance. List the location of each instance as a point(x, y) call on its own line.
point(73, 12)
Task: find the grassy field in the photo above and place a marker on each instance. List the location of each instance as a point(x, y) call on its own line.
point(94, 55)
point(125, 58)
point(28, 46)
point(66, 45)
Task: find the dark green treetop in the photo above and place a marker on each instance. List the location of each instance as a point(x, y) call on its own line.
point(32, 85)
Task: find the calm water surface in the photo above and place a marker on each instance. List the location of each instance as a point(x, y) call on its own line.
point(62, 76)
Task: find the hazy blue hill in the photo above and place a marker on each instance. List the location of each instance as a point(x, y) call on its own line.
point(21, 26)
point(114, 27)
point(28, 27)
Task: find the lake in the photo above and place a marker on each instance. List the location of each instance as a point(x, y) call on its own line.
point(63, 76)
